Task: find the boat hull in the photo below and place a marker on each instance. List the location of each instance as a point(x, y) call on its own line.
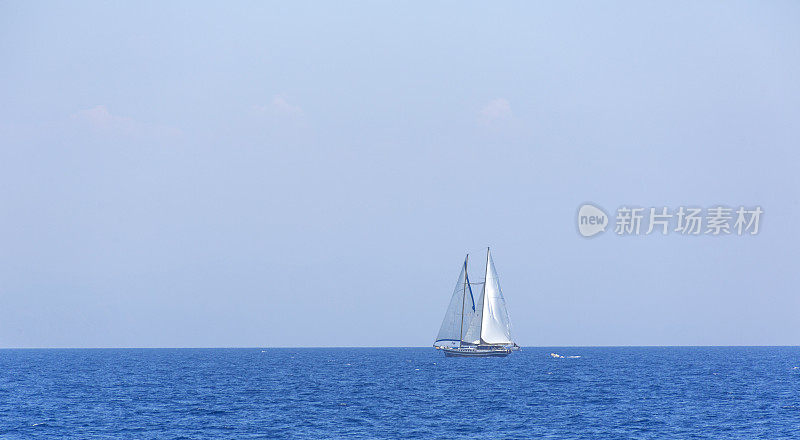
point(460, 352)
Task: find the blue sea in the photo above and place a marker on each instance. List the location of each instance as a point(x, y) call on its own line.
point(382, 393)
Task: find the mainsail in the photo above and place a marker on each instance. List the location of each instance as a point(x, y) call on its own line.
point(460, 311)
point(495, 324)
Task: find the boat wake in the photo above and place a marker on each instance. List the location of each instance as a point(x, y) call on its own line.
point(558, 356)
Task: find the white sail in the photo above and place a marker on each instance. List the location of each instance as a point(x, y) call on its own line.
point(461, 302)
point(495, 324)
point(472, 319)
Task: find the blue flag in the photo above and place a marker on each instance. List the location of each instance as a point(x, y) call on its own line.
point(469, 287)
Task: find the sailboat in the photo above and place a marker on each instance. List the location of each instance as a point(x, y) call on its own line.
point(476, 324)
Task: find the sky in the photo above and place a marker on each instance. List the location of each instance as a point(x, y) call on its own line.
point(262, 174)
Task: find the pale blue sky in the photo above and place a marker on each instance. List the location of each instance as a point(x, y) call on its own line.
point(312, 174)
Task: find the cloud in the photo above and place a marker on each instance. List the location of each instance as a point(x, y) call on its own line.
point(497, 110)
point(280, 106)
point(101, 119)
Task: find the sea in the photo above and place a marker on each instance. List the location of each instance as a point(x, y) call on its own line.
point(401, 393)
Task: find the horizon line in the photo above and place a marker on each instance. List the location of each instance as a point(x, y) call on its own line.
point(374, 346)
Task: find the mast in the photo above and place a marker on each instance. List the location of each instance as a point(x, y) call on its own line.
point(463, 300)
point(483, 297)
